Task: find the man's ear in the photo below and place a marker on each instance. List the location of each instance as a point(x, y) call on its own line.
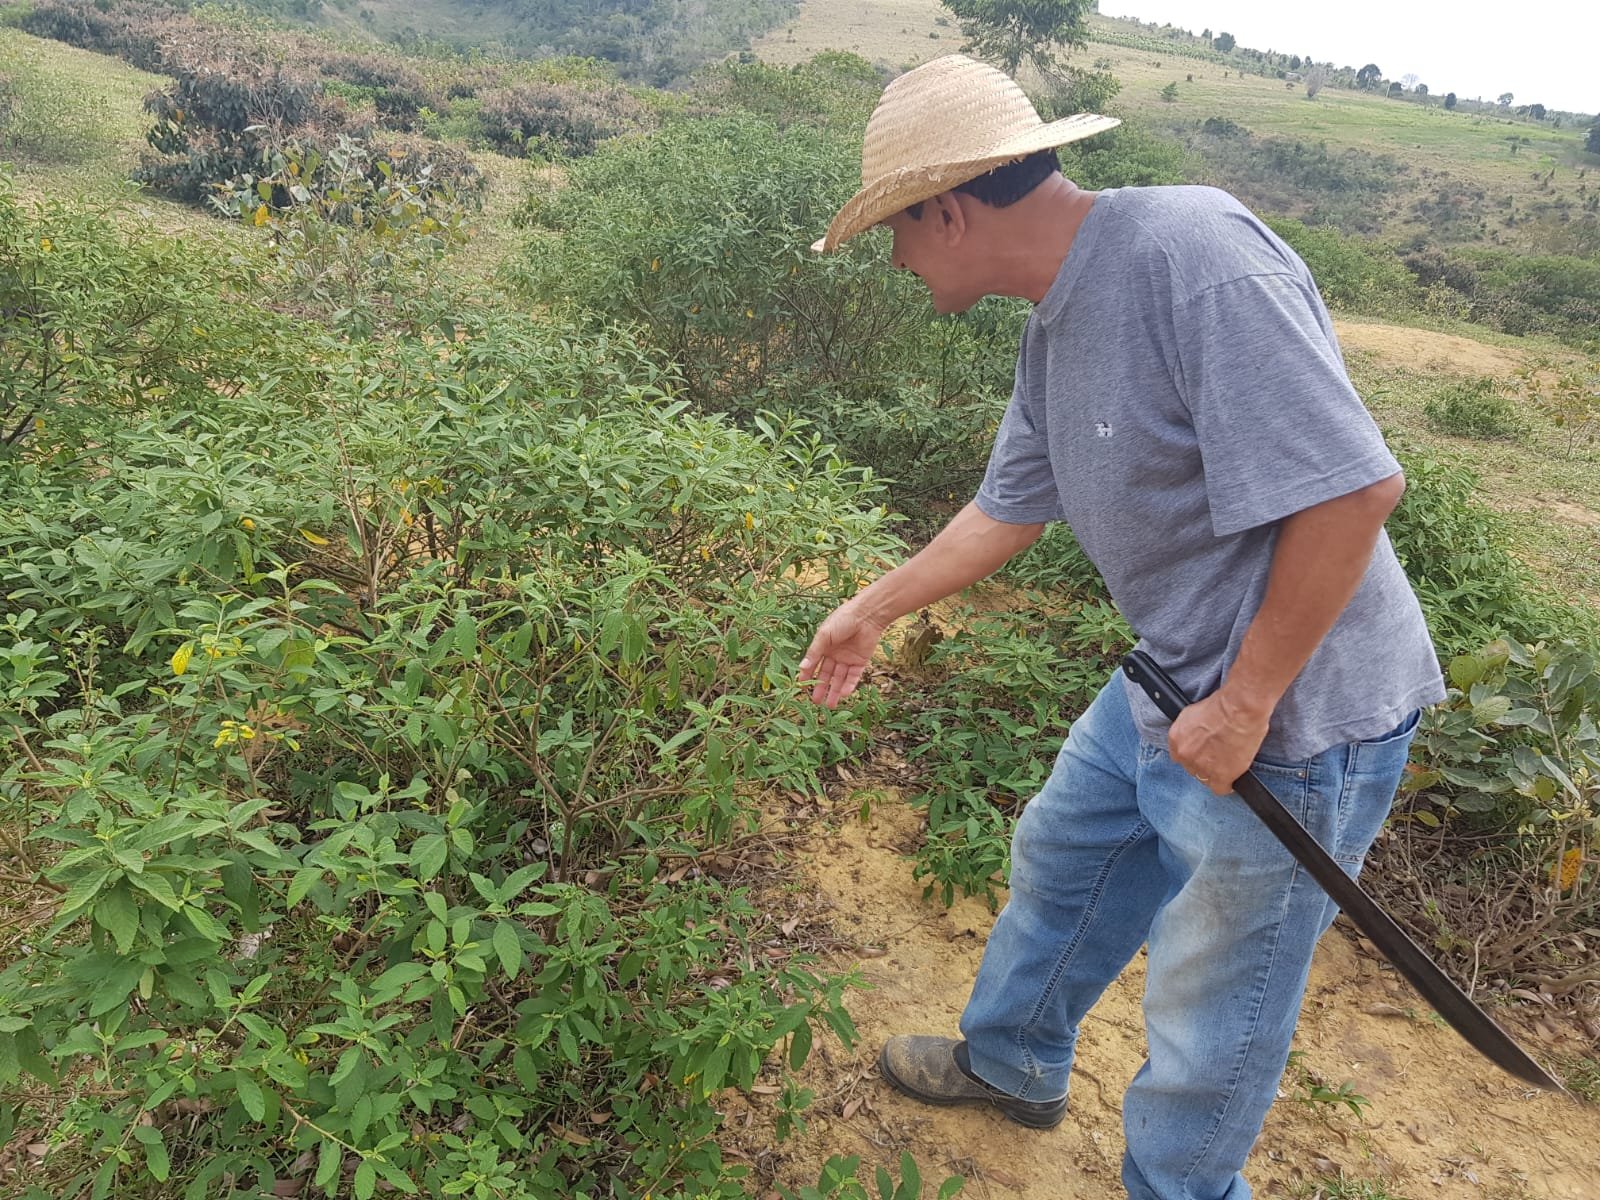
point(950, 217)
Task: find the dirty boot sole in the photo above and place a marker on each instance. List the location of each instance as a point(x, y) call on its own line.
point(930, 1069)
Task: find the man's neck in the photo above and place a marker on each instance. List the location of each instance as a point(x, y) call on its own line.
point(1038, 234)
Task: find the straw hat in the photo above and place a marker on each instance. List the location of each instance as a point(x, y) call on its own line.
point(938, 126)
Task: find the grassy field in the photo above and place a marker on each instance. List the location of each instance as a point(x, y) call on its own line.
point(1550, 498)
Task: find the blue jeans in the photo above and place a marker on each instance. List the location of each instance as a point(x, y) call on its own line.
point(1122, 846)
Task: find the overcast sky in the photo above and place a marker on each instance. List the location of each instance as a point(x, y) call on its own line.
point(1547, 53)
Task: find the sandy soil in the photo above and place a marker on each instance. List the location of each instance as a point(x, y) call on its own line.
point(1425, 349)
point(1442, 1122)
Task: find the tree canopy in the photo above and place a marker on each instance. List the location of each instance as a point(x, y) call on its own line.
point(1225, 42)
point(1007, 32)
point(1368, 75)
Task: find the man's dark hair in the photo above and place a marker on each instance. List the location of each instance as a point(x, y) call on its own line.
point(1006, 184)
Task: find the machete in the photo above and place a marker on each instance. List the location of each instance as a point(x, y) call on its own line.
point(1437, 988)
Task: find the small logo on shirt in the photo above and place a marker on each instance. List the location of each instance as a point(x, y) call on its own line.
point(1103, 429)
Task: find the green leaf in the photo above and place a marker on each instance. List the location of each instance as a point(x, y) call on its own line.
point(428, 855)
point(951, 1187)
point(250, 1095)
point(81, 892)
point(155, 1151)
point(365, 1181)
point(303, 882)
point(329, 1158)
point(800, 1047)
point(508, 947)
point(910, 1179)
point(119, 915)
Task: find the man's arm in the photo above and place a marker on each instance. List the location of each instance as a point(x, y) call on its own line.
point(1321, 555)
point(971, 547)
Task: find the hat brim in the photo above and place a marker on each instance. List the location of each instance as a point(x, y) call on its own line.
point(897, 191)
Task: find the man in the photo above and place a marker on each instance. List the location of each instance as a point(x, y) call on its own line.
point(1180, 401)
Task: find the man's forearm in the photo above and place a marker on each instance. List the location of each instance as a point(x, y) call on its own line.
point(1317, 565)
point(971, 547)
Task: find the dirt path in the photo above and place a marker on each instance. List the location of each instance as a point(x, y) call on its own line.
point(1441, 1123)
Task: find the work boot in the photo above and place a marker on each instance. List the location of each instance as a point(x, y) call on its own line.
point(936, 1070)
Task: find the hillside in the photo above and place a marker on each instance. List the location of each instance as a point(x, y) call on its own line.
point(1366, 164)
point(656, 41)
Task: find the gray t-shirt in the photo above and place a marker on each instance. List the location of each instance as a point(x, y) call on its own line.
point(1179, 392)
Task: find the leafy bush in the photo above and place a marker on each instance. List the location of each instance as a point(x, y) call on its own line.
point(551, 120)
point(383, 712)
point(1457, 554)
point(700, 234)
point(1345, 189)
point(1502, 808)
point(983, 733)
point(1353, 275)
point(358, 234)
point(1555, 294)
point(833, 88)
point(1474, 409)
point(93, 322)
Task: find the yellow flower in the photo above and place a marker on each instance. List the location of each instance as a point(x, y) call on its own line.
point(406, 518)
point(751, 313)
point(705, 554)
point(46, 245)
point(1565, 873)
point(749, 521)
point(247, 522)
point(262, 215)
point(655, 264)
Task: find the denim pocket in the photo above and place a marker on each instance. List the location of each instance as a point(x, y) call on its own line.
point(1385, 754)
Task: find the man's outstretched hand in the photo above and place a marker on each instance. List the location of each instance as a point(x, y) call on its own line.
point(838, 654)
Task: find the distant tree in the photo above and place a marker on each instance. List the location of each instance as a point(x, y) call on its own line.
point(1537, 111)
point(1421, 89)
point(1592, 142)
point(1396, 89)
point(1294, 62)
point(1007, 32)
point(1224, 42)
point(1410, 79)
point(1368, 76)
point(1315, 78)
point(1205, 36)
point(1450, 100)
point(1505, 100)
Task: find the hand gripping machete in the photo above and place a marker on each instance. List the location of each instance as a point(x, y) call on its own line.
point(1451, 1003)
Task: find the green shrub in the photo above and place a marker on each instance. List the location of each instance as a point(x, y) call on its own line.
point(93, 323)
point(388, 723)
point(984, 732)
point(1457, 553)
point(557, 120)
point(357, 233)
point(1472, 409)
point(701, 234)
point(1353, 275)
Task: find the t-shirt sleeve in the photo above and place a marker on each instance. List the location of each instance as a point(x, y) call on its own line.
point(1019, 488)
point(1280, 426)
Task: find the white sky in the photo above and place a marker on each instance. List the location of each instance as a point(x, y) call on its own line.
point(1546, 53)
